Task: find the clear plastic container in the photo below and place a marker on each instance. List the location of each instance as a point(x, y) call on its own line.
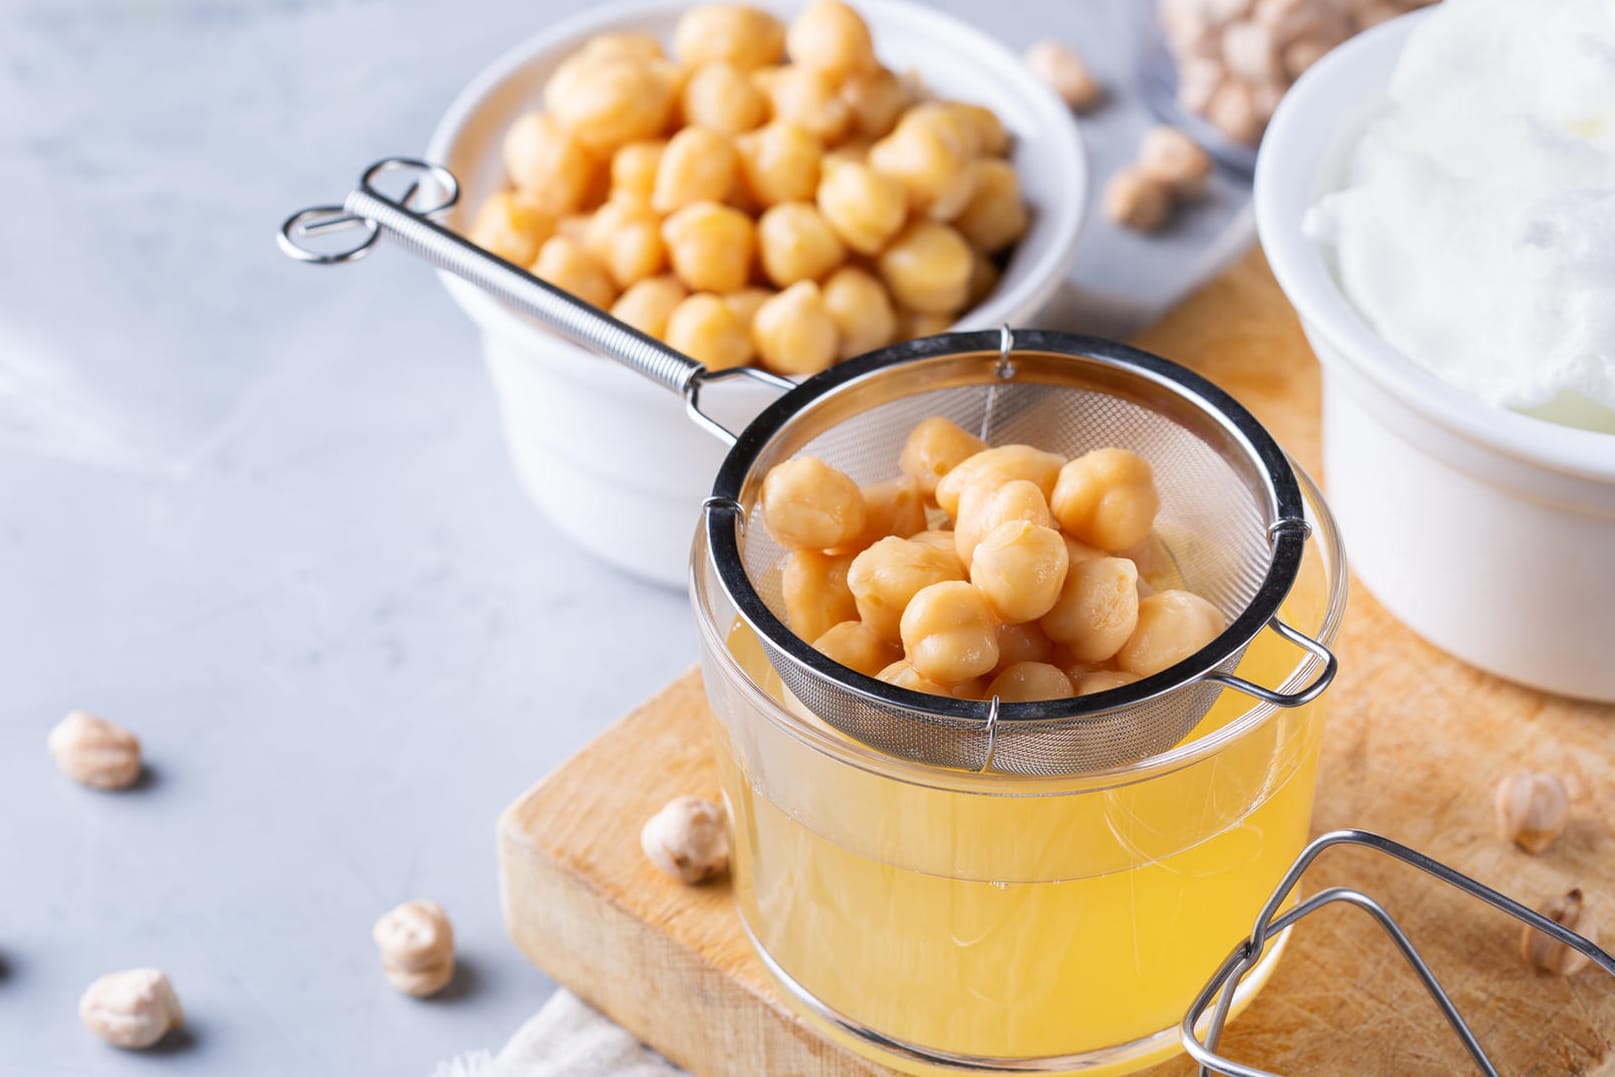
point(935, 919)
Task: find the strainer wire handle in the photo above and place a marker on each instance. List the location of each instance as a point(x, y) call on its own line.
point(583, 324)
point(1331, 666)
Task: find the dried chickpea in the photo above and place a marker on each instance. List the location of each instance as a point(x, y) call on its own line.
point(1170, 155)
point(998, 466)
point(779, 162)
point(985, 504)
point(710, 246)
point(708, 330)
point(746, 303)
point(861, 310)
point(831, 37)
point(563, 262)
point(614, 45)
point(1097, 608)
point(808, 98)
point(876, 97)
point(949, 633)
point(732, 33)
point(1027, 682)
point(1059, 65)
point(865, 207)
point(647, 304)
point(853, 645)
point(547, 163)
point(933, 449)
point(1172, 625)
point(893, 507)
point(928, 153)
point(626, 237)
point(633, 170)
point(721, 97)
point(1021, 569)
point(1024, 642)
point(1137, 199)
point(927, 267)
point(607, 102)
point(887, 576)
point(699, 165)
point(1107, 498)
point(992, 138)
point(794, 244)
point(995, 216)
point(511, 225)
point(814, 588)
point(809, 505)
point(793, 331)
point(904, 675)
point(1103, 680)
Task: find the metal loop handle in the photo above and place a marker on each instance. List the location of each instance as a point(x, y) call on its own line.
point(1331, 666)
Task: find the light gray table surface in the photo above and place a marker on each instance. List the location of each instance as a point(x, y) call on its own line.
point(262, 515)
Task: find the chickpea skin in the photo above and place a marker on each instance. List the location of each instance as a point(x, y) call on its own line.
point(865, 207)
point(814, 588)
point(856, 647)
point(707, 329)
point(927, 267)
point(547, 163)
point(934, 448)
point(648, 304)
point(1172, 625)
point(949, 633)
point(885, 578)
point(698, 165)
point(608, 102)
point(986, 504)
point(710, 246)
point(831, 37)
point(793, 331)
point(633, 170)
point(809, 505)
point(998, 466)
point(779, 162)
point(565, 263)
point(1097, 609)
point(1027, 682)
point(794, 244)
point(732, 33)
point(1021, 569)
point(861, 310)
point(512, 226)
point(626, 237)
point(1107, 498)
point(721, 97)
point(995, 216)
point(903, 675)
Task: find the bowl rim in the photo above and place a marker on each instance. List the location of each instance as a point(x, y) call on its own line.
point(1314, 114)
point(1066, 218)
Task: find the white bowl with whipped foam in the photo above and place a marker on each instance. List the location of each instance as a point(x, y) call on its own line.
point(1486, 527)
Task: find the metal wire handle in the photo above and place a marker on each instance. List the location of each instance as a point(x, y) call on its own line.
point(370, 210)
point(1225, 982)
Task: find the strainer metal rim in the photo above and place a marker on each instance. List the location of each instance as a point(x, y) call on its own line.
point(724, 521)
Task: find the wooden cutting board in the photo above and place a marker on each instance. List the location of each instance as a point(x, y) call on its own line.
point(1416, 743)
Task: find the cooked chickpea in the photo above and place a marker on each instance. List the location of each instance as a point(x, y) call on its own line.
point(721, 97)
point(876, 97)
point(893, 507)
point(1172, 625)
point(809, 98)
point(985, 504)
point(511, 225)
point(626, 237)
point(647, 304)
point(710, 246)
point(630, 45)
point(563, 262)
point(903, 675)
point(1027, 682)
point(1103, 681)
point(708, 330)
point(992, 139)
point(928, 153)
point(732, 33)
point(927, 267)
point(1107, 498)
point(746, 303)
point(814, 588)
point(940, 540)
point(1021, 569)
point(793, 331)
point(548, 164)
point(809, 505)
point(995, 216)
point(779, 162)
point(983, 279)
point(1097, 608)
point(699, 165)
point(831, 37)
point(949, 633)
point(794, 244)
point(633, 170)
point(856, 647)
point(912, 324)
point(933, 449)
point(885, 578)
point(865, 207)
point(1023, 643)
point(849, 152)
point(607, 102)
point(861, 310)
point(998, 466)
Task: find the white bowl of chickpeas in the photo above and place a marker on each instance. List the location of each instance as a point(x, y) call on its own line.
point(784, 185)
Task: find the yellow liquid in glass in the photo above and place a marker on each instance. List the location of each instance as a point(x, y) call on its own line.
point(1016, 926)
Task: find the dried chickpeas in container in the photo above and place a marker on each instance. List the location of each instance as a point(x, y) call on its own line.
point(744, 157)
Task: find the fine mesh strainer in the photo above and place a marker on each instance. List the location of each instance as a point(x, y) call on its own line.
point(1231, 514)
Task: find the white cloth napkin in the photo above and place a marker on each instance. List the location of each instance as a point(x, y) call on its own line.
point(567, 1038)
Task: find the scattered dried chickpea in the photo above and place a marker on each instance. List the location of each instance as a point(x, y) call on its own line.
point(809, 505)
point(1550, 955)
point(987, 503)
point(808, 98)
point(648, 304)
point(1532, 810)
point(687, 840)
point(565, 263)
point(710, 246)
point(1097, 609)
point(698, 165)
point(607, 102)
point(876, 98)
point(934, 448)
point(1058, 64)
point(949, 633)
point(132, 1009)
point(995, 216)
point(633, 170)
point(1137, 199)
point(1106, 498)
point(1027, 682)
point(865, 207)
point(779, 162)
point(831, 37)
point(794, 243)
point(1020, 568)
point(94, 751)
point(814, 588)
point(626, 237)
point(793, 331)
point(861, 310)
point(548, 163)
point(998, 465)
point(721, 97)
point(1177, 160)
point(416, 942)
point(731, 33)
point(708, 330)
point(927, 267)
point(1023, 643)
point(885, 578)
point(855, 646)
point(1172, 625)
point(511, 225)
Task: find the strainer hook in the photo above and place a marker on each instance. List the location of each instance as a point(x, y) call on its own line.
point(1331, 666)
point(692, 396)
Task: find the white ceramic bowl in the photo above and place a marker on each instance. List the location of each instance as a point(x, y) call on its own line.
point(609, 457)
point(1492, 534)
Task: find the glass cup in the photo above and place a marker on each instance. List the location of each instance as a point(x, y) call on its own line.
point(939, 920)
